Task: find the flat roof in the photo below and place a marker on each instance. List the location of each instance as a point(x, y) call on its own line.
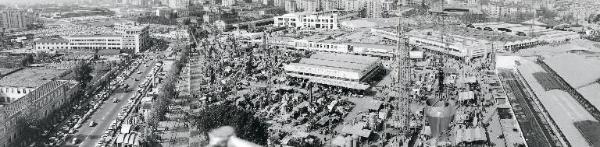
point(91, 36)
point(358, 59)
point(52, 40)
point(566, 111)
point(591, 93)
point(576, 70)
point(335, 64)
point(30, 77)
point(561, 106)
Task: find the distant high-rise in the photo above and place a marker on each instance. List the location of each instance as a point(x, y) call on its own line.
point(388, 5)
point(14, 19)
point(290, 6)
point(279, 3)
point(353, 5)
point(133, 2)
point(374, 8)
point(227, 3)
point(332, 4)
point(308, 5)
point(179, 4)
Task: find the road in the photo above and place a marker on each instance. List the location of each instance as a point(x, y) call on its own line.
point(531, 125)
point(109, 110)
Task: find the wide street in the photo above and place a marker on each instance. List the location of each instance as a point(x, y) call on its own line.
point(533, 131)
point(109, 110)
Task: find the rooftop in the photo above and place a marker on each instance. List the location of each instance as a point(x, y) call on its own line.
point(576, 70)
point(52, 40)
point(97, 35)
point(30, 77)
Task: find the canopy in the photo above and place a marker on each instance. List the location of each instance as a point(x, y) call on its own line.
point(468, 95)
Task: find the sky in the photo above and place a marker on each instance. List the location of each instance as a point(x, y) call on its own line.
point(27, 2)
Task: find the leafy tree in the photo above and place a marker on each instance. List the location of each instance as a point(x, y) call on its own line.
point(363, 13)
point(547, 13)
point(83, 74)
point(246, 124)
point(27, 60)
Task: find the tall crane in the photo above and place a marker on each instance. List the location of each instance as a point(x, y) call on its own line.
point(404, 78)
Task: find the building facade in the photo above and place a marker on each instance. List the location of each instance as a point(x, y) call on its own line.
point(227, 3)
point(135, 37)
point(353, 5)
point(14, 19)
point(51, 44)
point(179, 4)
point(92, 42)
point(307, 21)
point(290, 6)
point(279, 3)
point(10, 94)
point(458, 46)
point(131, 38)
point(308, 5)
point(374, 8)
point(37, 105)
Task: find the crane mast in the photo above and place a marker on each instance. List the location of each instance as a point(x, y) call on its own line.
point(403, 72)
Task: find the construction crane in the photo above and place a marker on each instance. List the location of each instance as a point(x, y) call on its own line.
point(403, 76)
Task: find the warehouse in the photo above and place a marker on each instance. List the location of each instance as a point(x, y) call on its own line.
point(343, 70)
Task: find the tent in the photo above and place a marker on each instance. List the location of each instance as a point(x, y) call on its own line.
point(126, 128)
point(464, 96)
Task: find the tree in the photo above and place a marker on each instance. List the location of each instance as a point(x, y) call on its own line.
point(547, 13)
point(27, 60)
point(83, 74)
point(247, 126)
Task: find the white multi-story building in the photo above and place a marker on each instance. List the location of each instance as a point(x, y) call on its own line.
point(132, 38)
point(307, 20)
point(51, 44)
point(135, 37)
point(454, 45)
point(77, 42)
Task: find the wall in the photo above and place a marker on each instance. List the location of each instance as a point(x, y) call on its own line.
point(9, 94)
point(36, 105)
